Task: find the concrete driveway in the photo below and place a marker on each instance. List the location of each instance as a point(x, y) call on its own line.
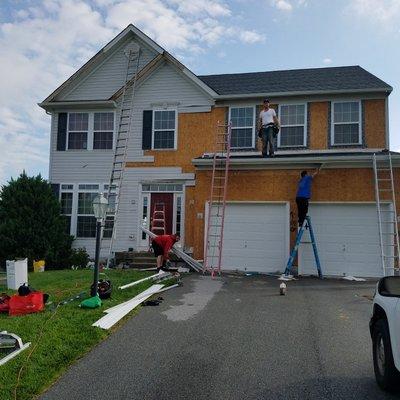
point(236, 338)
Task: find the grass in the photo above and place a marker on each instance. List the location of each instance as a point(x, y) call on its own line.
point(67, 332)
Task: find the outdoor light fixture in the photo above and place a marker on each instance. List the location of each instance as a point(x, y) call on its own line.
point(100, 207)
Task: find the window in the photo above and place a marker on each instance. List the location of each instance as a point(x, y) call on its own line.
point(86, 222)
point(293, 125)
point(178, 215)
point(103, 130)
point(109, 221)
point(346, 127)
point(242, 135)
point(164, 129)
point(163, 187)
point(66, 206)
point(78, 126)
point(145, 210)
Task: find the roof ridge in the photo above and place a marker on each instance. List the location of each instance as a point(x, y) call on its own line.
point(286, 70)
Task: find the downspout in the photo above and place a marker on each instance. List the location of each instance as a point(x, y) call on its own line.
point(387, 122)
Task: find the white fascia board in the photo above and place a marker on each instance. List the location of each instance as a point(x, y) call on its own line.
point(387, 91)
point(291, 162)
point(80, 104)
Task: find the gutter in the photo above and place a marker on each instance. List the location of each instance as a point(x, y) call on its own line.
point(53, 105)
point(386, 90)
point(342, 161)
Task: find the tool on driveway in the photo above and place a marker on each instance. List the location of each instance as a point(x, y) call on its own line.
point(306, 225)
point(282, 289)
point(10, 346)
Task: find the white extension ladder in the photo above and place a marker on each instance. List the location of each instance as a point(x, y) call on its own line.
point(387, 218)
point(132, 53)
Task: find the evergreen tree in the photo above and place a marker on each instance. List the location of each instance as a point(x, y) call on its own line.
point(30, 223)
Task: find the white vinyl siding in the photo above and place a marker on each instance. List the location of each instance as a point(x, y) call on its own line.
point(164, 129)
point(243, 127)
point(107, 78)
point(346, 123)
point(293, 119)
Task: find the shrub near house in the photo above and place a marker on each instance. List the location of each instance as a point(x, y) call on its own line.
point(30, 223)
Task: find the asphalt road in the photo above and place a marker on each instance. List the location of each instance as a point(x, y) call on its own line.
point(236, 338)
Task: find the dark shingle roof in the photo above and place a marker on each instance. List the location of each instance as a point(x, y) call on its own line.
point(296, 80)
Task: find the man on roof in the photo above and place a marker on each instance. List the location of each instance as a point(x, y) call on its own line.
point(269, 123)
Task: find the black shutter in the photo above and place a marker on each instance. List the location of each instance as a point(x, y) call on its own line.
point(147, 129)
point(55, 187)
point(62, 132)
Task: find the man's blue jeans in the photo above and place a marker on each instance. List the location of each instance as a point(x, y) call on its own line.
point(268, 140)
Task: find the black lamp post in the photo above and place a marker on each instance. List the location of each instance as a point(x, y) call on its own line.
point(100, 207)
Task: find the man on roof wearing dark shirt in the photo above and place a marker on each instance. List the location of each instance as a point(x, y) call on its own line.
point(304, 194)
point(162, 244)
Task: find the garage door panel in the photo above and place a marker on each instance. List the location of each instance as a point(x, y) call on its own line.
point(347, 239)
point(255, 237)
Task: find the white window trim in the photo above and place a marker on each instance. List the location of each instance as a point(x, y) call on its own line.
point(346, 123)
point(253, 127)
point(90, 131)
point(291, 125)
point(175, 130)
point(87, 132)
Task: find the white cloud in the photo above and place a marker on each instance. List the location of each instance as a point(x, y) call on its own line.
point(327, 61)
point(47, 40)
point(282, 5)
point(288, 5)
point(251, 37)
point(385, 12)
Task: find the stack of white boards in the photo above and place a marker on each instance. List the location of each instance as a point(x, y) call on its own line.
point(114, 314)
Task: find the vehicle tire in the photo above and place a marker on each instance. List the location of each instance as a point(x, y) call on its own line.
point(386, 374)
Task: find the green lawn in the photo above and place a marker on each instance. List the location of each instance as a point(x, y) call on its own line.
point(67, 333)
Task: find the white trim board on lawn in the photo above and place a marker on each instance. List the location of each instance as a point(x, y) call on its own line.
point(347, 236)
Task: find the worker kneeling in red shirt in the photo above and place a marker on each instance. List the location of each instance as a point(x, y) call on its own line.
point(162, 244)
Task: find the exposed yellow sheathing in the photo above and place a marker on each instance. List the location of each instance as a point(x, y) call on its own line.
point(375, 123)
point(196, 135)
point(318, 123)
point(277, 185)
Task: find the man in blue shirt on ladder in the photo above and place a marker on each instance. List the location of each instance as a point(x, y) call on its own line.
point(304, 194)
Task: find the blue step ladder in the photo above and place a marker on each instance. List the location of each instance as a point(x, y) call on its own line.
point(306, 225)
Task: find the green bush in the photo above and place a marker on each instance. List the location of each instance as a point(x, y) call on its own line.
point(31, 225)
point(79, 258)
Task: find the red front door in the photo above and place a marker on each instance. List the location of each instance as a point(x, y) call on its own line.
point(166, 201)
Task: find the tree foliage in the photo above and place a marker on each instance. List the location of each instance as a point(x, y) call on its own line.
point(30, 223)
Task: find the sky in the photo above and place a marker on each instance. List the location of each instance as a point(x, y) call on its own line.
point(43, 42)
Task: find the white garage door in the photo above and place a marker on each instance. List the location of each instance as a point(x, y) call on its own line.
point(256, 237)
point(347, 237)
